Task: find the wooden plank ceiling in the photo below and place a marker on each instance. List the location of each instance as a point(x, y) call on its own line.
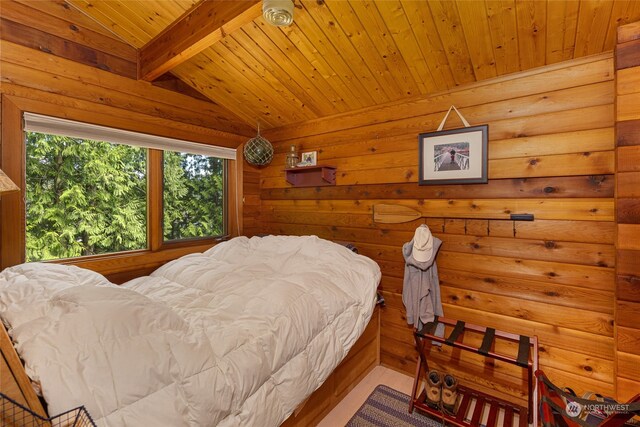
point(344, 55)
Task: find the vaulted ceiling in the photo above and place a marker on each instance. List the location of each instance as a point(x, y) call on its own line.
point(343, 55)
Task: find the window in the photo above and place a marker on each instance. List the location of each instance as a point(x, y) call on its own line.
point(87, 189)
point(83, 197)
point(193, 196)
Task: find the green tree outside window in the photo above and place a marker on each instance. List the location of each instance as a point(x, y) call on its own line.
point(193, 196)
point(84, 197)
point(90, 197)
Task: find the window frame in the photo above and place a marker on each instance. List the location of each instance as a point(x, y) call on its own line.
point(195, 240)
point(13, 209)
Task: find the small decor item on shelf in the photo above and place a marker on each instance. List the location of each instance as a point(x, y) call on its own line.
point(309, 159)
point(292, 157)
point(258, 151)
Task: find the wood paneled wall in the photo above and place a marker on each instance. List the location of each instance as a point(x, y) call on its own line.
point(551, 153)
point(252, 224)
point(628, 210)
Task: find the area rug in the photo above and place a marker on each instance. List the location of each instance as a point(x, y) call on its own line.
point(386, 407)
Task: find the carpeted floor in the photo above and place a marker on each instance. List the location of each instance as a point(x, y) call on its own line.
point(386, 407)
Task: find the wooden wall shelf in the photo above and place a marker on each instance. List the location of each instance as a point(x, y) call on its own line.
point(311, 176)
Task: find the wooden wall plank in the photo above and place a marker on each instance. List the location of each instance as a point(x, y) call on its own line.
point(575, 275)
point(629, 236)
point(74, 27)
point(477, 227)
point(542, 250)
point(580, 342)
point(599, 162)
point(63, 10)
point(52, 83)
point(11, 162)
point(628, 132)
point(628, 54)
point(36, 39)
point(530, 290)
point(499, 228)
point(627, 313)
point(582, 320)
point(210, 114)
point(629, 158)
point(571, 231)
point(627, 262)
point(627, 81)
point(548, 187)
point(626, 389)
point(628, 106)
point(629, 339)
point(628, 32)
point(89, 112)
point(628, 288)
point(628, 211)
point(558, 143)
point(582, 209)
point(628, 184)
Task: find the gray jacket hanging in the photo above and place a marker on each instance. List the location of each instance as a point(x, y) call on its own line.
point(421, 287)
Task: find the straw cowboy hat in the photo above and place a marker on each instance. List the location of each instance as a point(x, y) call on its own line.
point(422, 244)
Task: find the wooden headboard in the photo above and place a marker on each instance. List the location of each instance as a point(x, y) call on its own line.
point(14, 381)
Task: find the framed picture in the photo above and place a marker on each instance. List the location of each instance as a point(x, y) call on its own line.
point(456, 156)
point(310, 158)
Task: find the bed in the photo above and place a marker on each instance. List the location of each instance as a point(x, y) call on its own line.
point(241, 334)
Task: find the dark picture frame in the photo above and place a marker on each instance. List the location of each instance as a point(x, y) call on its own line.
point(454, 156)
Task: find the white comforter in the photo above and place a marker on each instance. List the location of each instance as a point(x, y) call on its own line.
point(236, 336)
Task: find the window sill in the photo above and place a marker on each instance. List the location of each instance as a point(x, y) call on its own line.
point(143, 260)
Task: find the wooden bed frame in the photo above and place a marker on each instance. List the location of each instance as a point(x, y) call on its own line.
point(14, 381)
point(362, 358)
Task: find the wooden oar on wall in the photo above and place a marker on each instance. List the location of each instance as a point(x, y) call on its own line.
point(396, 214)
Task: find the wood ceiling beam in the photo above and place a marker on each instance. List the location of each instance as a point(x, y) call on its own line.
point(199, 28)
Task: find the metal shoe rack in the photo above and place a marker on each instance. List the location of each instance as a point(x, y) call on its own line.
point(527, 358)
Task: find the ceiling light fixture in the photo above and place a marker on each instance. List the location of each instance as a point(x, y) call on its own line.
point(278, 12)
